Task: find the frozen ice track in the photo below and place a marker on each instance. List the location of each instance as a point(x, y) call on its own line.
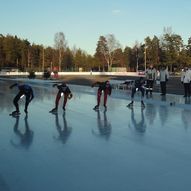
point(127, 158)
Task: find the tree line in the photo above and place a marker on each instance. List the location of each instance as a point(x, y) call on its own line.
point(168, 50)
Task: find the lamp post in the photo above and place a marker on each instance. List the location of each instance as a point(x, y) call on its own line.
point(42, 59)
point(145, 58)
point(137, 60)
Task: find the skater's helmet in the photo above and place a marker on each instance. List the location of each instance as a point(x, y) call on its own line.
point(63, 83)
point(107, 81)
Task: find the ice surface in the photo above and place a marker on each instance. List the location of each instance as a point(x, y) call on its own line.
point(84, 150)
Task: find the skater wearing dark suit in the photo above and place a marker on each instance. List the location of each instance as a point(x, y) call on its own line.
point(24, 90)
point(138, 86)
point(63, 89)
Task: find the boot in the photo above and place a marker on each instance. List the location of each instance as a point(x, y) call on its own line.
point(96, 107)
point(130, 104)
point(54, 110)
point(142, 104)
point(15, 113)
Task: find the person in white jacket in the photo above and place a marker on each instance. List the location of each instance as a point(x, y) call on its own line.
point(151, 75)
point(186, 79)
point(163, 77)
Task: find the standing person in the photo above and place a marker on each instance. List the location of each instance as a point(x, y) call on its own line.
point(186, 79)
point(150, 75)
point(138, 86)
point(24, 90)
point(163, 77)
point(63, 89)
point(106, 88)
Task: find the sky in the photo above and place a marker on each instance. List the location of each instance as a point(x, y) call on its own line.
point(84, 21)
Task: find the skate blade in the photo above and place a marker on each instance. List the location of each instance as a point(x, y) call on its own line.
point(53, 111)
point(14, 115)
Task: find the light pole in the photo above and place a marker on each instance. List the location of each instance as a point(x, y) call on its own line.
point(137, 60)
point(42, 59)
point(145, 58)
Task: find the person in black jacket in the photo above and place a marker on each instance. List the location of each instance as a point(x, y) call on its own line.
point(63, 89)
point(106, 88)
point(138, 86)
point(24, 90)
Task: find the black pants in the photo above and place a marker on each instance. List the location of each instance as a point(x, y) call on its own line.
point(163, 88)
point(17, 98)
point(149, 86)
point(186, 89)
point(141, 89)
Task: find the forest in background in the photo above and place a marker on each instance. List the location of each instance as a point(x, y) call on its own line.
point(168, 50)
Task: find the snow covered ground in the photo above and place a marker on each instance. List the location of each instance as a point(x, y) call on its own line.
point(81, 150)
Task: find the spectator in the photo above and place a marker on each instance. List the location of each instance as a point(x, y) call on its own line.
point(150, 75)
point(186, 79)
point(163, 77)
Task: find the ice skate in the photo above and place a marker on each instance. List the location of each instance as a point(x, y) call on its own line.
point(130, 105)
point(96, 107)
point(15, 113)
point(105, 108)
point(54, 110)
point(142, 104)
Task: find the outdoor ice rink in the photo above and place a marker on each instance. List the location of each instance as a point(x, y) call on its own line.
point(121, 149)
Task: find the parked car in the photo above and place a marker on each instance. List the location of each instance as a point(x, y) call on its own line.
point(141, 72)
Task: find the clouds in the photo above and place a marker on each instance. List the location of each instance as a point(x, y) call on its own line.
point(116, 12)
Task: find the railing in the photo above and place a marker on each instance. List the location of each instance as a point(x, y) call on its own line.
point(73, 73)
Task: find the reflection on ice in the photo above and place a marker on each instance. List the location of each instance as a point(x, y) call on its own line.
point(150, 113)
point(187, 100)
point(163, 114)
point(25, 135)
point(63, 129)
point(118, 147)
point(186, 118)
point(138, 123)
point(3, 185)
point(103, 125)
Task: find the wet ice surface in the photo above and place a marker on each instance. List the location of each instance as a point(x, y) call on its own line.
point(121, 149)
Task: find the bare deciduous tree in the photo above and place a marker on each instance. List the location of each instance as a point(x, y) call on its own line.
point(107, 47)
point(60, 45)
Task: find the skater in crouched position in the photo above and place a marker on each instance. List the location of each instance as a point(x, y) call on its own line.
point(24, 90)
point(138, 86)
point(63, 89)
point(102, 87)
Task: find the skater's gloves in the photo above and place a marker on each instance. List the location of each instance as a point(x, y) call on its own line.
point(13, 85)
point(70, 96)
point(54, 85)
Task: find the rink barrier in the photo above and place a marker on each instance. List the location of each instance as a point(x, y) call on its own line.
point(73, 73)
